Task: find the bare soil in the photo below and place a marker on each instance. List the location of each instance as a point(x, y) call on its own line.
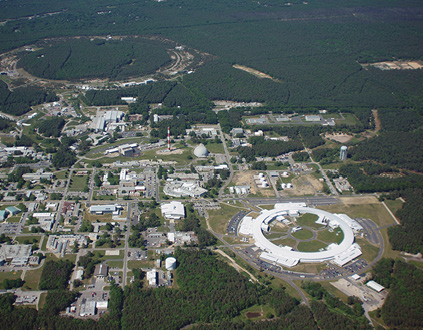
point(254, 72)
point(359, 200)
point(342, 137)
point(303, 185)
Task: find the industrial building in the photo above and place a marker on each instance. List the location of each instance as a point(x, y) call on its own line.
point(38, 175)
point(17, 255)
point(105, 209)
point(173, 210)
point(341, 254)
point(182, 189)
point(100, 122)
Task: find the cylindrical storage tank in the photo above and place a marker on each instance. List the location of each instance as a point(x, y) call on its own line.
point(261, 175)
point(289, 185)
point(283, 185)
point(264, 185)
point(170, 263)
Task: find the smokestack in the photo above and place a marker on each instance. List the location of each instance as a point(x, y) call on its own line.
point(168, 138)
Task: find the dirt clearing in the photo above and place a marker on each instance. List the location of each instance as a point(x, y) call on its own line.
point(246, 178)
point(254, 72)
point(339, 137)
point(303, 185)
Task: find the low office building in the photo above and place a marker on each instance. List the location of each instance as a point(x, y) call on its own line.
point(105, 209)
point(173, 210)
point(101, 271)
point(13, 210)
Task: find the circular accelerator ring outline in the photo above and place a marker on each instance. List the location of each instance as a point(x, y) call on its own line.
point(341, 254)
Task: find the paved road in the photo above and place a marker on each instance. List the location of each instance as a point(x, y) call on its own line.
point(222, 137)
point(128, 230)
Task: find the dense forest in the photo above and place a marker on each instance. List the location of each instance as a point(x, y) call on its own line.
point(51, 127)
point(20, 100)
point(402, 308)
point(408, 236)
point(55, 275)
point(210, 293)
point(97, 58)
point(313, 51)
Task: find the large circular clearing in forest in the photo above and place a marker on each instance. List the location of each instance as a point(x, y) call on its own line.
point(84, 58)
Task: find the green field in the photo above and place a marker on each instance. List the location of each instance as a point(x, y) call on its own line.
point(78, 183)
point(215, 148)
point(219, 218)
point(394, 205)
point(303, 234)
point(309, 220)
point(285, 242)
point(310, 246)
point(9, 275)
point(374, 211)
point(336, 236)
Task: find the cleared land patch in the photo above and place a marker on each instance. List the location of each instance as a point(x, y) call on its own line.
point(254, 72)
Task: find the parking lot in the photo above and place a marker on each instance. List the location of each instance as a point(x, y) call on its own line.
point(234, 222)
point(370, 230)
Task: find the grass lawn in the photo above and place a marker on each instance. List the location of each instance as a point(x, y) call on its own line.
point(141, 264)
point(374, 211)
point(29, 238)
point(369, 251)
point(303, 234)
point(13, 219)
point(219, 218)
point(32, 278)
point(350, 119)
point(259, 309)
point(62, 174)
point(388, 252)
point(42, 300)
point(331, 237)
point(285, 242)
point(183, 158)
point(103, 197)
point(394, 205)
point(115, 264)
point(215, 148)
point(309, 220)
point(310, 246)
point(333, 290)
point(78, 182)
point(275, 234)
point(9, 275)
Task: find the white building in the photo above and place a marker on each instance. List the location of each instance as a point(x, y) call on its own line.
point(375, 286)
point(341, 254)
point(173, 210)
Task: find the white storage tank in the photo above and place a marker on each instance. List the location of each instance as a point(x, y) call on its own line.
point(283, 185)
point(170, 263)
point(261, 175)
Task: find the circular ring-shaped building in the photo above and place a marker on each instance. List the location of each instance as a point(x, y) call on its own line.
point(341, 254)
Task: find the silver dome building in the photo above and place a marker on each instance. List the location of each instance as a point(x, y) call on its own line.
point(201, 151)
